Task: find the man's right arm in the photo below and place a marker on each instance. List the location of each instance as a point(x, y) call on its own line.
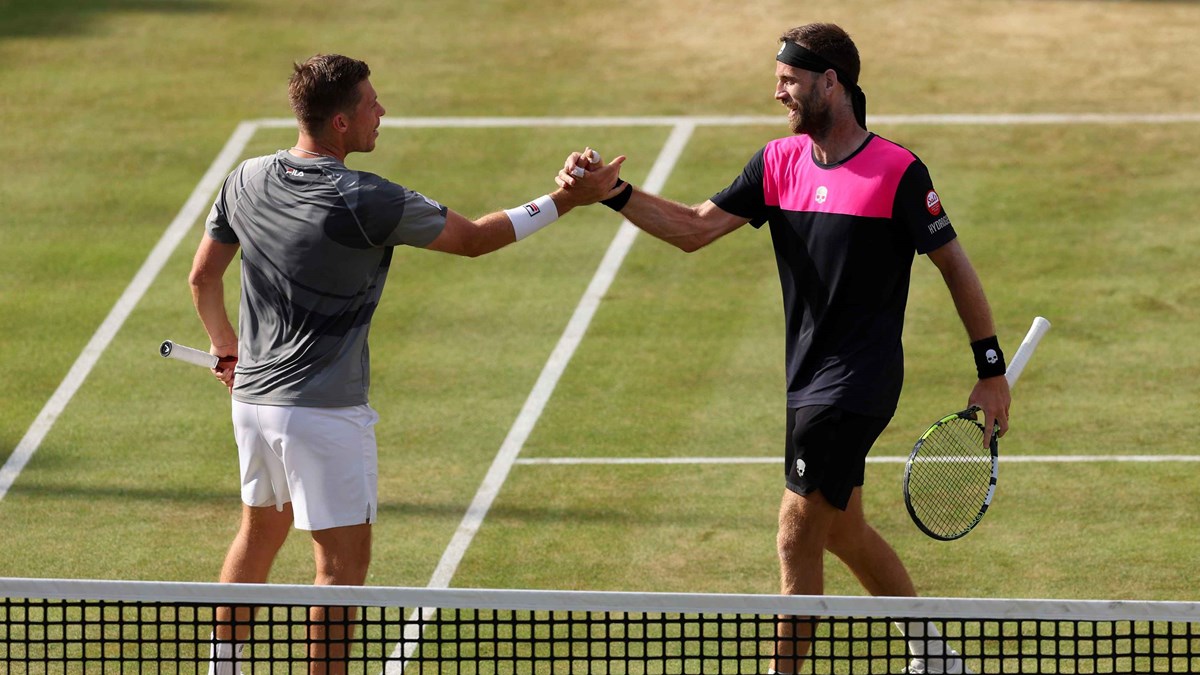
point(208, 295)
point(463, 236)
point(688, 228)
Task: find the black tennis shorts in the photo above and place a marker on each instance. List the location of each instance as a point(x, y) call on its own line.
point(826, 450)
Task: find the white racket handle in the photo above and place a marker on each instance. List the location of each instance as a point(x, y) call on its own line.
point(170, 350)
point(1036, 332)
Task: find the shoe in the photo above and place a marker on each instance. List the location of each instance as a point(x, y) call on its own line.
point(950, 664)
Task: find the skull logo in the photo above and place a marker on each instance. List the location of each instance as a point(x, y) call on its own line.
point(822, 194)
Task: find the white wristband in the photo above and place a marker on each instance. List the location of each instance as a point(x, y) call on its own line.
point(533, 216)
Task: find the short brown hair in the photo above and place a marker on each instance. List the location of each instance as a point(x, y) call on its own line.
point(323, 86)
point(830, 42)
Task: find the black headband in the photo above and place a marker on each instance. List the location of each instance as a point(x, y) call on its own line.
point(794, 55)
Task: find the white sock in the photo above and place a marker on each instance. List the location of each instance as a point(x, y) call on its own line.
point(923, 638)
point(226, 658)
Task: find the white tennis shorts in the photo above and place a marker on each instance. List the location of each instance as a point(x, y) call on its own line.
point(322, 460)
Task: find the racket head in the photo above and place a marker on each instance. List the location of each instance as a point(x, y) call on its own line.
point(950, 477)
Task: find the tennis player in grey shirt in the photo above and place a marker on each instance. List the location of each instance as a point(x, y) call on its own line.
point(316, 240)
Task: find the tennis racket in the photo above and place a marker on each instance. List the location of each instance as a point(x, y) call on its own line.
point(170, 350)
point(950, 477)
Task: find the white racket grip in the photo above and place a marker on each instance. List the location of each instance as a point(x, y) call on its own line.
point(195, 357)
point(1036, 332)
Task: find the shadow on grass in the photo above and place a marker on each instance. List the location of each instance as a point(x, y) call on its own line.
point(501, 514)
point(65, 492)
point(181, 494)
point(41, 18)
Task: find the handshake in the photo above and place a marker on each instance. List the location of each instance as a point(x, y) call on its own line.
point(586, 179)
point(578, 169)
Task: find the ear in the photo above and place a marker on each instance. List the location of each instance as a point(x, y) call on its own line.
point(830, 78)
point(340, 123)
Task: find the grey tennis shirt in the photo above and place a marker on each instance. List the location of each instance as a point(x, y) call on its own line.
point(316, 243)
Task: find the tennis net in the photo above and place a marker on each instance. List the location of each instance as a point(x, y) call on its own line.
point(79, 626)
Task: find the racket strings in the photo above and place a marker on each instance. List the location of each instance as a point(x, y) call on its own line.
point(950, 477)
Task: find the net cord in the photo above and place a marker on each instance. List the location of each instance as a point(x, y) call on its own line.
point(599, 601)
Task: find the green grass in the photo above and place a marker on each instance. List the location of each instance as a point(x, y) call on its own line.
point(114, 110)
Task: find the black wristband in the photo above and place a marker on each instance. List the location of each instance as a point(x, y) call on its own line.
point(618, 202)
point(989, 360)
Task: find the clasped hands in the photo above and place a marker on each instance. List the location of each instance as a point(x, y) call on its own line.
point(586, 179)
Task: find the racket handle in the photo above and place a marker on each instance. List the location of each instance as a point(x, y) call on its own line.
point(1036, 332)
point(170, 350)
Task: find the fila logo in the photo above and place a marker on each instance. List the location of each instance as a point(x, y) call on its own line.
point(532, 209)
point(933, 203)
point(822, 194)
point(293, 172)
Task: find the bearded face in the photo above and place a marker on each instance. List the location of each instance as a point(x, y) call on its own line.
point(800, 91)
point(811, 114)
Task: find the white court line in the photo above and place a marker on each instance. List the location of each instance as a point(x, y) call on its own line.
point(193, 208)
point(555, 365)
point(764, 120)
point(1013, 459)
point(536, 402)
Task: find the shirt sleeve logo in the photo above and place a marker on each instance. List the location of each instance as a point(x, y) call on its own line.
point(932, 203)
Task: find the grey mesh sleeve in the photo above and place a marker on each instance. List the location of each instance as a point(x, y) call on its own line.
point(422, 222)
point(217, 223)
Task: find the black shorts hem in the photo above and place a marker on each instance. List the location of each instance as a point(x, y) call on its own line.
point(840, 502)
point(826, 450)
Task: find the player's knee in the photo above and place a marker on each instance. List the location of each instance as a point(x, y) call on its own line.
point(850, 537)
point(798, 546)
point(841, 542)
point(342, 555)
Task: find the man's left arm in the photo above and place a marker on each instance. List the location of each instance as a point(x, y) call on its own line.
point(990, 393)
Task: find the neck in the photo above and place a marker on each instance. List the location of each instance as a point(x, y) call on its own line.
point(308, 147)
point(839, 141)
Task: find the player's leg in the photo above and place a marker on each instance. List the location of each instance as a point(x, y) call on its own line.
point(342, 555)
point(266, 521)
point(881, 572)
point(332, 466)
point(871, 559)
point(804, 525)
point(817, 488)
point(248, 561)
point(266, 499)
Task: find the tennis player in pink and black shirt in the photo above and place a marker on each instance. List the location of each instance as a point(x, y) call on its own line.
point(848, 211)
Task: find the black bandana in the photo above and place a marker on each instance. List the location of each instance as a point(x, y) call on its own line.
point(796, 56)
